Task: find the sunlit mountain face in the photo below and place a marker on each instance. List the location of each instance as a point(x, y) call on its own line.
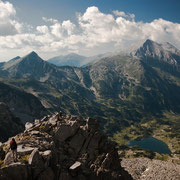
point(119, 90)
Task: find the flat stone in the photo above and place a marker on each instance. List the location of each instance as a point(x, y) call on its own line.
point(23, 150)
point(75, 166)
point(34, 133)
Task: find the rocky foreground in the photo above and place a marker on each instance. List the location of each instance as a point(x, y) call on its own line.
point(62, 147)
point(146, 169)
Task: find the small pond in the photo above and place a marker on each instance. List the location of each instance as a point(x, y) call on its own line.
point(152, 144)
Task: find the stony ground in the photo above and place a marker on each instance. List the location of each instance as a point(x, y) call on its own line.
point(146, 169)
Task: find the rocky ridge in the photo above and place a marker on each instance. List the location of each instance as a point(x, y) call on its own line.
point(63, 147)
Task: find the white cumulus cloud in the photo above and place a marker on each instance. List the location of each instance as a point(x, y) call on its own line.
point(123, 14)
point(93, 32)
point(8, 24)
point(43, 29)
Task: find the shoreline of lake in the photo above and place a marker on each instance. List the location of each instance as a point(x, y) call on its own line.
point(151, 143)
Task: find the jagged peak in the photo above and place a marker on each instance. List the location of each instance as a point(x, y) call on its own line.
point(156, 50)
point(154, 46)
point(33, 53)
point(150, 43)
point(148, 47)
point(32, 56)
point(143, 45)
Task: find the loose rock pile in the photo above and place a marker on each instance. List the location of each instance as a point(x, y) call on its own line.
point(147, 169)
point(63, 147)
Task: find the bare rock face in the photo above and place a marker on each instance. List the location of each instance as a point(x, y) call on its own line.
point(66, 147)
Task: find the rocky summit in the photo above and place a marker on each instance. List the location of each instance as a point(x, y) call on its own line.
point(62, 147)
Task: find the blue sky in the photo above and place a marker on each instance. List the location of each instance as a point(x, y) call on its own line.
point(145, 10)
point(87, 27)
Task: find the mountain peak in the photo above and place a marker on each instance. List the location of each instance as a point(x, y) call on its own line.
point(32, 56)
point(163, 52)
point(149, 43)
point(149, 48)
point(33, 53)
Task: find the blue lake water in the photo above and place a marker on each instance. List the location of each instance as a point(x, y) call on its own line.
point(152, 144)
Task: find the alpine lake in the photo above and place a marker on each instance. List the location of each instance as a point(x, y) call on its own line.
point(151, 144)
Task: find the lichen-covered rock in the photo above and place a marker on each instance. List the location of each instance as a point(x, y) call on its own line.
point(68, 147)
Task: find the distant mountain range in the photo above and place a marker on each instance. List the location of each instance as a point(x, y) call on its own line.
point(75, 60)
point(119, 90)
